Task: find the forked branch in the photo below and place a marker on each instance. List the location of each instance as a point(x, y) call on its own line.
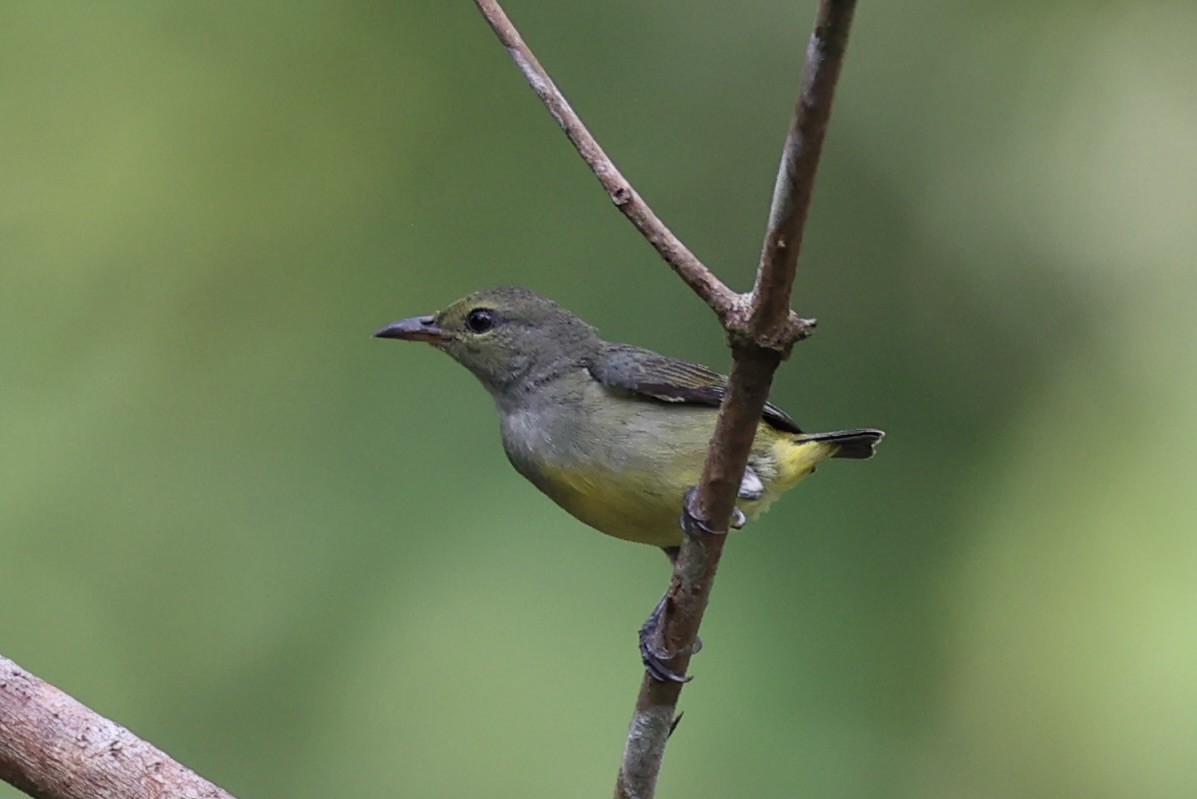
point(761, 329)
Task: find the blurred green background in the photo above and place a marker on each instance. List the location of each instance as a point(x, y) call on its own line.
point(296, 558)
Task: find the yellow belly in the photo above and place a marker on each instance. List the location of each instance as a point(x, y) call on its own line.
point(644, 505)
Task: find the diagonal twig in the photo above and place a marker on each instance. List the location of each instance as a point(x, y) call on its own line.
point(711, 289)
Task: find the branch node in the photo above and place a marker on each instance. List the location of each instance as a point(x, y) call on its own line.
point(779, 337)
point(676, 721)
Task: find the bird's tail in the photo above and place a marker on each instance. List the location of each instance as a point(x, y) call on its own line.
point(852, 444)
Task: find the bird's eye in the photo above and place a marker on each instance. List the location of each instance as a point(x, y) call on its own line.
point(480, 320)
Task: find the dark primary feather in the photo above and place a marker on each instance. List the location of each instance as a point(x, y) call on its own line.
point(633, 370)
point(859, 445)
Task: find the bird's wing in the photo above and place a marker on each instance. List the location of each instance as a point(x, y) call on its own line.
point(636, 371)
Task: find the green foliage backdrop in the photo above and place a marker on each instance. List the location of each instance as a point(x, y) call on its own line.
point(296, 558)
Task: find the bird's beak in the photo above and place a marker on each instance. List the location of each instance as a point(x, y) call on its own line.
point(418, 328)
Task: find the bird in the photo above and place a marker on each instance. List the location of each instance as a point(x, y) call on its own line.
point(613, 433)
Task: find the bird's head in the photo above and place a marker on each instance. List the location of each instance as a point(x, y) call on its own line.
point(506, 336)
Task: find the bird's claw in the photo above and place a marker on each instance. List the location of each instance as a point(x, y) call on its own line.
point(692, 525)
point(654, 663)
point(652, 651)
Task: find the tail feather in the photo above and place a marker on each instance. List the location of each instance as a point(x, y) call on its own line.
point(853, 444)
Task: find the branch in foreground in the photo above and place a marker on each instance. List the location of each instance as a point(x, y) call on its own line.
point(53, 747)
point(711, 289)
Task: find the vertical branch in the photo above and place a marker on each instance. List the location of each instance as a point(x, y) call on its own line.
point(759, 341)
point(799, 162)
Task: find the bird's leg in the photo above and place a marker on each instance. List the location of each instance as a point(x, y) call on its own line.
point(653, 652)
point(750, 488)
point(691, 524)
point(652, 648)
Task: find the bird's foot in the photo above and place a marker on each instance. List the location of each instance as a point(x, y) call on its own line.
point(653, 652)
point(738, 519)
point(693, 525)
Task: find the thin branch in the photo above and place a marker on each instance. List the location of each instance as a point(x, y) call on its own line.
point(52, 747)
point(711, 289)
point(768, 333)
point(799, 162)
point(762, 331)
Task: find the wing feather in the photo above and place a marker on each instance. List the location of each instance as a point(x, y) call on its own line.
point(644, 373)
